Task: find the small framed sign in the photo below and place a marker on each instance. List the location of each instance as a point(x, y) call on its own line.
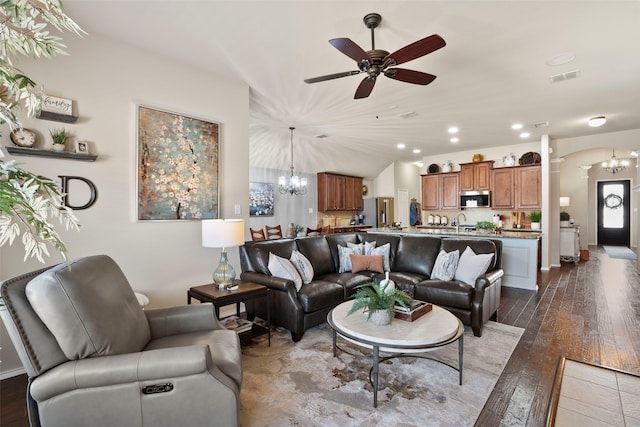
point(57, 105)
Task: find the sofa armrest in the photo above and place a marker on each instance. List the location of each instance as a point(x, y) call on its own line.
point(182, 319)
point(144, 366)
point(485, 281)
point(272, 282)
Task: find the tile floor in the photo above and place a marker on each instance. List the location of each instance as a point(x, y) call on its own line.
point(595, 396)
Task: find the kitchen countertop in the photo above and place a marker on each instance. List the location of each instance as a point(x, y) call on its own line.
point(451, 231)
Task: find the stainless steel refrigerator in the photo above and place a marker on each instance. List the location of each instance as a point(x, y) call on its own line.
point(379, 211)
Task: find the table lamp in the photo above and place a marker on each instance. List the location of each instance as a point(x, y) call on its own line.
point(223, 233)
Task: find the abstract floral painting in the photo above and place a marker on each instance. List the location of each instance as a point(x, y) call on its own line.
point(177, 166)
point(260, 199)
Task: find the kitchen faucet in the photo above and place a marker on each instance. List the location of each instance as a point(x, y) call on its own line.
point(458, 221)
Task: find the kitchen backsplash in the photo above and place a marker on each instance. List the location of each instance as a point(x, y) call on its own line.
point(482, 214)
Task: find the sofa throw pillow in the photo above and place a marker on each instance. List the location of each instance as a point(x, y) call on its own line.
point(344, 259)
point(368, 247)
point(303, 265)
point(357, 248)
point(282, 267)
point(445, 265)
point(367, 262)
point(472, 266)
point(384, 251)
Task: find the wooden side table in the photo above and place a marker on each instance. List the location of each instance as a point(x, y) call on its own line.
point(221, 297)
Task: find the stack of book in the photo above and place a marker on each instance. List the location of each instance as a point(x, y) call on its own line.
point(414, 310)
point(236, 323)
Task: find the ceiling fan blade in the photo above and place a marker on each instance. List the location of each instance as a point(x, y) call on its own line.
point(332, 76)
point(349, 48)
point(416, 49)
point(409, 76)
point(365, 87)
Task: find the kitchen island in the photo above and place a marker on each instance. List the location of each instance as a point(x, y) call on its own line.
point(519, 250)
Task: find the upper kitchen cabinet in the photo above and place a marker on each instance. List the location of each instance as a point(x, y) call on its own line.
point(503, 188)
point(528, 187)
point(475, 176)
point(339, 192)
point(440, 191)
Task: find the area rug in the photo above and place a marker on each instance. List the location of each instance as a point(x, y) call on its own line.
point(621, 252)
point(302, 384)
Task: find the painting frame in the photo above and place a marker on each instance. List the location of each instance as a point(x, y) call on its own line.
point(177, 166)
point(261, 199)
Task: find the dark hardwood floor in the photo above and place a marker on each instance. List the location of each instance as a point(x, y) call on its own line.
point(588, 312)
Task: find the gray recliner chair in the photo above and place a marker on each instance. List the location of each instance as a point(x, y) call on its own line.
point(95, 358)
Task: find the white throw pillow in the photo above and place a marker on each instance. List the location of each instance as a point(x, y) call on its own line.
point(358, 249)
point(472, 266)
point(303, 265)
point(344, 258)
point(384, 251)
point(282, 267)
point(446, 264)
point(368, 247)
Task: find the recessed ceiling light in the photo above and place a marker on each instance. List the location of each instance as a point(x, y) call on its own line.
point(416, 150)
point(420, 164)
point(516, 126)
point(400, 146)
point(525, 135)
point(453, 129)
point(454, 140)
point(321, 136)
point(595, 122)
point(561, 59)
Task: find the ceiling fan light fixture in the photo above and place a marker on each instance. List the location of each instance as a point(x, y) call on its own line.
point(596, 122)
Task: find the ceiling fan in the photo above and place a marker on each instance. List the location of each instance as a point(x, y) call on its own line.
point(377, 61)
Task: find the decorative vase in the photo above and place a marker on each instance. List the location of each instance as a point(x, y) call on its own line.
point(535, 226)
point(380, 317)
point(565, 223)
point(477, 158)
point(58, 147)
point(447, 166)
point(387, 285)
point(291, 230)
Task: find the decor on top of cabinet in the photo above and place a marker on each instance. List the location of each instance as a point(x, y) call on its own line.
point(535, 217)
point(509, 160)
point(530, 158)
point(477, 158)
point(565, 219)
point(447, 166)
point(433, 168)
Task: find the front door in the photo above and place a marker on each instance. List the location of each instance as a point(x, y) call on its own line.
point(614, 213)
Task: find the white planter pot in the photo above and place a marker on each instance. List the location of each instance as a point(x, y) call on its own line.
point(58, 147)
point(565, 223)
point(380, 317)
point(535, 226)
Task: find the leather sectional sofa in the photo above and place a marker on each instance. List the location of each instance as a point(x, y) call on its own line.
point(411, 262)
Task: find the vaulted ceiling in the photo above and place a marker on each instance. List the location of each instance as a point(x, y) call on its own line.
point(494, 71)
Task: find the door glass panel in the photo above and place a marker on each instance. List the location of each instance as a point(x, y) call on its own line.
point(613, 206)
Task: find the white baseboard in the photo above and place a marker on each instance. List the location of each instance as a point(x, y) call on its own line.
point(12, 373)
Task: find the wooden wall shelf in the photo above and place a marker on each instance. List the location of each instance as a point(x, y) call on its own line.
point(56, 117)
point(20, 151)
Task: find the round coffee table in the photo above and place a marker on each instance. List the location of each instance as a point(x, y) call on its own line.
point(401, 338)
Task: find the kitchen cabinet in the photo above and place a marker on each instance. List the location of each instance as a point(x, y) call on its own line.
point(475, 176)
point(503, 188)
point(570, 243)
point(339, 192)
point(440, 191)
point(528, 190)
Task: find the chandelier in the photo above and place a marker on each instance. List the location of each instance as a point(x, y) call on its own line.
point(614, 165)
point(296, 184)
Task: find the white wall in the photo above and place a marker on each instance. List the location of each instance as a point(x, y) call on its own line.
point(106, 79)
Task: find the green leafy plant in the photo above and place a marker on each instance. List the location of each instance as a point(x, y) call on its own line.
point(371, 297)
point(485, 225)
point(59, 136)
point(564, 216)
point(27, 204)
point(535, 216)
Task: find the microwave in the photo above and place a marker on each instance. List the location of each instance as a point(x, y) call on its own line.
point(475, 199)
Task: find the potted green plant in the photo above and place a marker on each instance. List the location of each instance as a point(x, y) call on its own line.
point(565, 219)
point(59, 138)
point(485, 225)
point(378, 303)
point(535, 217)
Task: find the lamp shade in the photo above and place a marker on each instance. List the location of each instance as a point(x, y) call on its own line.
point(565, 201)
point(222, 233)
